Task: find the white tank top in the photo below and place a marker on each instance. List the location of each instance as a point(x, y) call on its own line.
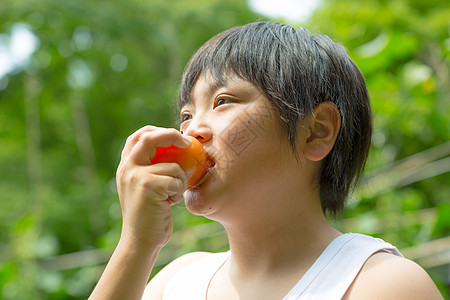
point(328, 278)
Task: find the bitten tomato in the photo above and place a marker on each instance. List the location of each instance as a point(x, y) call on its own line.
point(191, 159)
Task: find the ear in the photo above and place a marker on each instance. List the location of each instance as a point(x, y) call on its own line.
point(323, 127)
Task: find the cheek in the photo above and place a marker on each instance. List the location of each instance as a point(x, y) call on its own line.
point(237, 138)
point(247, 129)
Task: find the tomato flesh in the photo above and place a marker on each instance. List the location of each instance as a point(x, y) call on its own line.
point(191, 159)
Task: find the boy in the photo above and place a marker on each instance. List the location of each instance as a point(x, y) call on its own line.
point(285, 119)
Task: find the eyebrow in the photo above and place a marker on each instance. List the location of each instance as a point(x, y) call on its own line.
point(214, 82)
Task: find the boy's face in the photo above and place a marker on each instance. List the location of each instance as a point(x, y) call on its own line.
point(253, 162)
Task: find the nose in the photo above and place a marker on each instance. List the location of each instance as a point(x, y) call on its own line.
point(199, 129)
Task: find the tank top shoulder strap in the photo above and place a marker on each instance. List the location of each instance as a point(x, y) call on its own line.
point(336, 268)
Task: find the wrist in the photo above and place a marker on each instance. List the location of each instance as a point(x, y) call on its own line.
point(135, 246)
point(146, 237)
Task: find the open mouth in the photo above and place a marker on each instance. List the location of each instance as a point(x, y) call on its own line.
point(210, 163)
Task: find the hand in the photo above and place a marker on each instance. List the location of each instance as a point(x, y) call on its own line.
point(147, 191)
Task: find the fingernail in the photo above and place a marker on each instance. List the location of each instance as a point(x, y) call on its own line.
point(187, 140)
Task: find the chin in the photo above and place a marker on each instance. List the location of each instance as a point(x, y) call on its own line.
point(196, 203)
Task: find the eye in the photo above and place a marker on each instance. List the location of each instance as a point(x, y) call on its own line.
point(184, 117)
point(220, 100)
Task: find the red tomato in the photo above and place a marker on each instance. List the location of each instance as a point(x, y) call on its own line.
point(191, 159)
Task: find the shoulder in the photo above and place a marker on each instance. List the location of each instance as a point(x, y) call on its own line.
point(156, 286)
point(387, 276)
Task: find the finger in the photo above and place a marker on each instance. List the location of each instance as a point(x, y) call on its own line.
point(166, 188)
point(175, 187)
point(168, 169)
point(145, 148)
point(165, 180)
point(174, 200)
point(134, 138)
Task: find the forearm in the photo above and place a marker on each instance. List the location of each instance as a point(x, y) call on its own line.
point(127, 272)
point(146, 192)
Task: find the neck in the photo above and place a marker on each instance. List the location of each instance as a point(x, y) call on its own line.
point(269, 243)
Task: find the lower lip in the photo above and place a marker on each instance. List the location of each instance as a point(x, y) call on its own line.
point(202, 180)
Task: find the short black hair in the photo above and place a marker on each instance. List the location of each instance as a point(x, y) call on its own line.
point(296, 71)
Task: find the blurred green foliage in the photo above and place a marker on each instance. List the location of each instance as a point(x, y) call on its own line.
point(102, 69)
